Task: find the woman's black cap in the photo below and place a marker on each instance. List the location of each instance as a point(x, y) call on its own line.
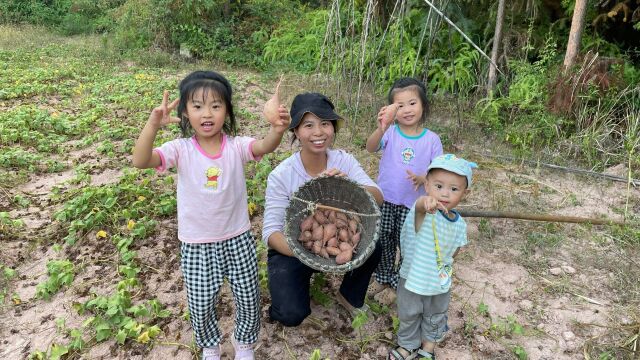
point(315, 103)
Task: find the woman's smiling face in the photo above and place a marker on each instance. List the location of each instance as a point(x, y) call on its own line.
point(315, 135)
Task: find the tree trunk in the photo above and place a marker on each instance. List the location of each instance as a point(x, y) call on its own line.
point(577, 24)
point(497, 39)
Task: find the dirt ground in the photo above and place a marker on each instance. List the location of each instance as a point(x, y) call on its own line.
point(522, 289)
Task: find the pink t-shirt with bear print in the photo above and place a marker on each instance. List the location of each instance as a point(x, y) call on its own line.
point(212, 193)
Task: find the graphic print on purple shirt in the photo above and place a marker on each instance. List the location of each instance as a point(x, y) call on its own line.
point(408, 154)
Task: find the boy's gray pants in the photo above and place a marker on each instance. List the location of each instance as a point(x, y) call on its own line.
point(421, 317)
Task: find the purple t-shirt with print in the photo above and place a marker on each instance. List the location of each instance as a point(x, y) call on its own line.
point(400, 153)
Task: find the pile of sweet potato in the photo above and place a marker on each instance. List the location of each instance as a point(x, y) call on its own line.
point(329, 233)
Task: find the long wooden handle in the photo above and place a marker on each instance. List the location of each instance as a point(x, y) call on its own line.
point(536, 217)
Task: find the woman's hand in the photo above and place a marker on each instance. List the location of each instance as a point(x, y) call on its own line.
point(161, 115)
point(416, 180)
point(333, 172)
point(386, 115)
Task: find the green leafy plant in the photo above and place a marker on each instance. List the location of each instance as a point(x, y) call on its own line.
point(61, 273)
point(317, 290)
point(9, 226)
point(506, 327)
point(316, 355)
point(298, 42)
point(483, 309)
point(520, 352)
point(256, 175)
point(6, 275)
point(117, 316)
point(125, 206)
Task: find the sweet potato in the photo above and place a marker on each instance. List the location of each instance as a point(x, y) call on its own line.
point(344, 257)
point(341, 216)
point(355, 239)
point(307, 223)
point(329, 232)
point(332, 250)
point(343, 235)
point(317, 233)
point(305, 236)
point(320, 218)
point(345, 247)
point(332, 242)
point(332, 216)
point(317, 246)
point(353, 226)
point(341, 224)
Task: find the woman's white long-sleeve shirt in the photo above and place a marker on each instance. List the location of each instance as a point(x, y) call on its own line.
point(290, 174)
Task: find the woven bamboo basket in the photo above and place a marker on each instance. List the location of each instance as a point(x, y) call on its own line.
point(338, 192)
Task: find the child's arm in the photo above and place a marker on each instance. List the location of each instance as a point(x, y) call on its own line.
point(385, 119)
point(279, 118)
point(143, 155)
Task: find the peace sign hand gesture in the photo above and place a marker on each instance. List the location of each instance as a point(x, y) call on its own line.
point(161, 115)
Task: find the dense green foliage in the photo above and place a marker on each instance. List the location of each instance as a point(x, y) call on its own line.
point(232, 31)
point(356, 43)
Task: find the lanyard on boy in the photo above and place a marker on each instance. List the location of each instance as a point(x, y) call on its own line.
point(437, 244)
point(444, 271)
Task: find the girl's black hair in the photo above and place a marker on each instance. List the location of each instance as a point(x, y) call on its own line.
point(418, 86)
point(207, 81)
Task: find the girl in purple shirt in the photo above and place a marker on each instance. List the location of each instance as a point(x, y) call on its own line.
point(407, 148)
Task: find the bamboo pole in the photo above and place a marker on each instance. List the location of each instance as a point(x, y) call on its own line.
point(537, 217)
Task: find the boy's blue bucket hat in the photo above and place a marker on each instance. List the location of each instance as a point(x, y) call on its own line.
point(454, 164)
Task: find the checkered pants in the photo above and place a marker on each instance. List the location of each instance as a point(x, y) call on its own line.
point(390, 227)
point(204, 267)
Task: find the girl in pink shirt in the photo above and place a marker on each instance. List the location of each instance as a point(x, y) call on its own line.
point(213, 220)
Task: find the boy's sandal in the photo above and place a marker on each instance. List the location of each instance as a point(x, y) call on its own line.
point(424, 354)
point(395, 354)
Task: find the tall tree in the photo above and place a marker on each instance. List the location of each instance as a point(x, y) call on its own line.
point(577, 24)
point(497, 39)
